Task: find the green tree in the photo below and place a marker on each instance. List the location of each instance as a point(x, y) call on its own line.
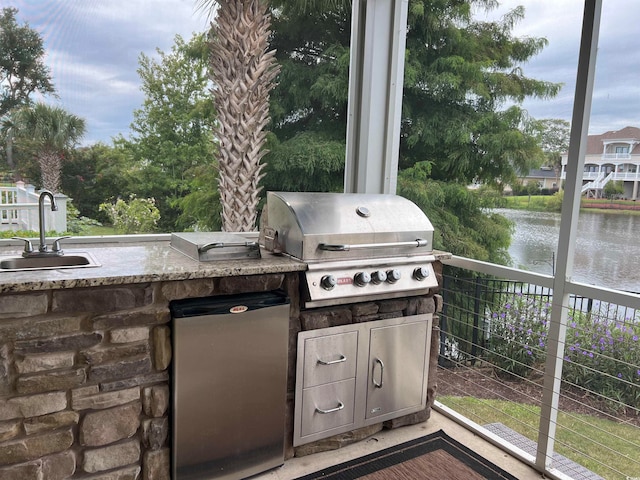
point(554, 135)
point(459, 74)
point(462, 224)
point(96, 174)
point(22, 71)
point(461, 115)
point(309, 104)
point(172, 131)
point(50, 133)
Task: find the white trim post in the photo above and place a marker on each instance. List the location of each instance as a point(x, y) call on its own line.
point(568, 230)
point(376, 76)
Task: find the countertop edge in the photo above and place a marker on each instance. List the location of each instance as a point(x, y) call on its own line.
point(157, 271)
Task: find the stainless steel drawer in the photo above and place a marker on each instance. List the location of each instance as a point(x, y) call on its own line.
point(328, 406)
point(330, 358)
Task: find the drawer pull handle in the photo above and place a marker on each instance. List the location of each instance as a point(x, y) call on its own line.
point(331, 410)
point(333, 362)
point(380, 383)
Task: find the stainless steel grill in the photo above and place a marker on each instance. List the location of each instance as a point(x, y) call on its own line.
point(358, 246)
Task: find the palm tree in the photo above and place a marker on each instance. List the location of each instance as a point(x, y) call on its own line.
point(243, 72)
point(49, 132)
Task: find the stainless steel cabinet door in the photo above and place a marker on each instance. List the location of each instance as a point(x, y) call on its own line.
point(398, 359)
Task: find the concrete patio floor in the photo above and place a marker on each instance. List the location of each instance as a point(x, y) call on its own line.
point(297, 467)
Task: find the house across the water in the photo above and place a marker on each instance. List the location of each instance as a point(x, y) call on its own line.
point(611, 156)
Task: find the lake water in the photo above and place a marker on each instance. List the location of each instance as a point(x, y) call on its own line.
point(607, 249)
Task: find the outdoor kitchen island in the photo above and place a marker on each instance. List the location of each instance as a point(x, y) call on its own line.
point(85, 355)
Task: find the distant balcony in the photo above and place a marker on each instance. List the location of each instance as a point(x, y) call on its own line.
point(616, 156)
point(622, 176)
point(494, 369)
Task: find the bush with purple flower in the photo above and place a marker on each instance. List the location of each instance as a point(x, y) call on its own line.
point(602, 354)
point(517, 335)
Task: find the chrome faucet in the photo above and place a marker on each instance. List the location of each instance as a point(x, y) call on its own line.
point(43, 249)
point(54, 207)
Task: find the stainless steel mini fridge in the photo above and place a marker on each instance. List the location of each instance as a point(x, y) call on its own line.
point(229, 381)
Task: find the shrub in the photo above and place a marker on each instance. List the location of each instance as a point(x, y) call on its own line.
point(517, 335)
point(602, 355)
point(78, 224)
point(139, 215)
point(555, 202)
point(602, 352)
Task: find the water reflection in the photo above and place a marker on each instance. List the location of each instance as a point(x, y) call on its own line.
point(607, 246)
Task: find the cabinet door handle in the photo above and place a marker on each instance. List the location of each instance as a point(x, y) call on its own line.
point(373, 372)
point(331, 410)
point(333, 362)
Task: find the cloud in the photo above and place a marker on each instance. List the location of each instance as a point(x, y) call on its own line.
point(93, 48)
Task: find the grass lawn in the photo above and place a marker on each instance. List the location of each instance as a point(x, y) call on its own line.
point(608, 443)
point(541, 203)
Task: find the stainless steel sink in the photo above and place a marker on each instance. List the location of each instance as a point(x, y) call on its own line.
point(75, 260)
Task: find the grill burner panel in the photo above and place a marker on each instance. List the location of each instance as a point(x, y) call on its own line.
point(337, 283)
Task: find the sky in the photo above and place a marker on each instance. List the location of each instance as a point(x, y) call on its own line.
point(93, 48)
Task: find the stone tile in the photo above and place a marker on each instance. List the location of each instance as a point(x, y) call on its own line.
point(45, 361)
point(129, 335)
point(23, 305)
point(83, 400)
point(250, 283)
point(187, 289)
point(113, 456)
point(101, 300)
point(25, 328)
point(59, 467)
point(127, 473)
point(155, 400)
point(31, 448)
point(50, 381)
point(9, 430)
point(50, 422)
point(129, 367)
point(33, 405)
point(161, 347)
point(156, 465)
point(155, 432)
point(110, 425)
point(112, 353)
point(137, 381)
point(149, 316)
point(58, 344)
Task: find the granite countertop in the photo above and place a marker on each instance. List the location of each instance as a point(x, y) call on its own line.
point(122, 262)
point(136, 259)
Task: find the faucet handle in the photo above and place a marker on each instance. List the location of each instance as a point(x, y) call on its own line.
point(56, 244)
point(28, 247)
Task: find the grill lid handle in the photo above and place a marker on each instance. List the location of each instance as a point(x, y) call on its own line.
point(418, 243)
point(209, 246)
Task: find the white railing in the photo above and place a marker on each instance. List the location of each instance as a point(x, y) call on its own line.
point(597, 184)
point(19, 210)
point(473, 307)
point(616, 156)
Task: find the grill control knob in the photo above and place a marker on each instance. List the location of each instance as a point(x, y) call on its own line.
point(421, 273)
point(393, 275)
point(328, 282)
point(361, 279)
point(379, 276)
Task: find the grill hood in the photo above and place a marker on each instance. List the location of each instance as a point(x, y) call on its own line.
point(341, 226)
